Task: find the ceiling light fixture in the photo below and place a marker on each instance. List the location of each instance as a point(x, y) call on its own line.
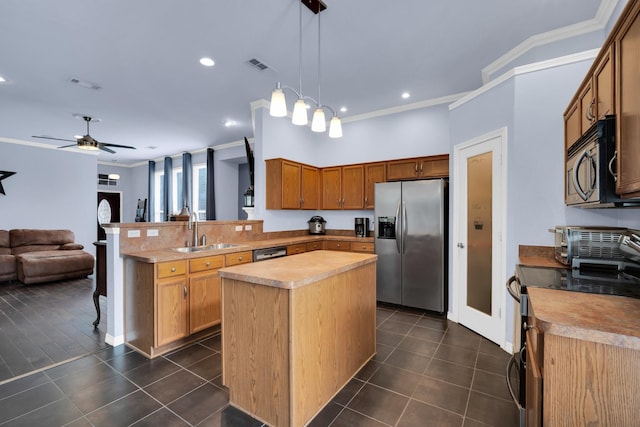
point(2, 79)
point(405, 95)
point(114, 176)
point(207, 62)
point(278, 107)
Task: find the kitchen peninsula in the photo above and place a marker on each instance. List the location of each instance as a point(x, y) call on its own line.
point(295, 330)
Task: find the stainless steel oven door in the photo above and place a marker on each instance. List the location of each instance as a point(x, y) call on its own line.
point(582, 176)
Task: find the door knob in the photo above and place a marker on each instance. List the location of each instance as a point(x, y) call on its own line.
point(460, 245)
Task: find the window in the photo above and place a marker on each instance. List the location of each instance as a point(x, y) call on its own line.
point(199, 192)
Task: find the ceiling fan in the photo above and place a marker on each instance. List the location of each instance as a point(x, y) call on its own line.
point(87, 142)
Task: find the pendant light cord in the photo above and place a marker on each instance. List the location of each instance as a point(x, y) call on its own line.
point(319, 103)
point(300, 48)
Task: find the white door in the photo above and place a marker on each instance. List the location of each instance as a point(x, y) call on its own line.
point(479, 224)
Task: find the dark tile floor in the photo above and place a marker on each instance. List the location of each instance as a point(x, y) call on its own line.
point(44, 324)
point(428, 371)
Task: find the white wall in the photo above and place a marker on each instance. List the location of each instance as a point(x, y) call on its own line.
point(414, 133)
point(52, 189)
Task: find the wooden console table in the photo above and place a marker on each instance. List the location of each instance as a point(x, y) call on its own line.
point(101, 276)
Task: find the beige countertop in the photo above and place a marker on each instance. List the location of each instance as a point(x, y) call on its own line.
point(605, 319)
point(297, 270)
point(167, 254)
point(538, 256)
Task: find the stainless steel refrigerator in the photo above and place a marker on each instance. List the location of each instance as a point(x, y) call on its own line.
point(411, 243)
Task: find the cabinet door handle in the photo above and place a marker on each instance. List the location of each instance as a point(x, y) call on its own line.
point(239, 258)
point(613, 159)
point(184, 289)
point(421, 165)
point(416, 168)
point(207, 264)
point(173, 269)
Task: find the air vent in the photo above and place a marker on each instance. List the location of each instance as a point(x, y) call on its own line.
point(103, 179)
point(258, 64)
point(85, 84)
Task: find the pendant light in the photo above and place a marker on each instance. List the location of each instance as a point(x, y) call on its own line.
point(278, 106)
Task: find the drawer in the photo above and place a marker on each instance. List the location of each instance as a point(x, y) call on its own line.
point(315, 246)
point(296, 249)
point(205, 263)
point(336, 245)
point(362, 247)
point(238, 258)
point(171, 268)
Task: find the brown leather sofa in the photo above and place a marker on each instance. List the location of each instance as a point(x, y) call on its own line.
point(43, 256)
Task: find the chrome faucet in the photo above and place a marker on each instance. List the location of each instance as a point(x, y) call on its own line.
point(193, 219)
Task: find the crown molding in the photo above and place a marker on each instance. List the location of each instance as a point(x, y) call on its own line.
point(599, 22)
point(529, 68)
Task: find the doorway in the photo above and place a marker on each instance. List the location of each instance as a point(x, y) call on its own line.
point(479, 226)
point(108, 210)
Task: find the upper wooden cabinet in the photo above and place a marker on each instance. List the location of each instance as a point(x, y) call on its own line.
point(627, 70)
point(292, 185)
point(343, 187)
point(418, 168)
point(373, 172)
point(612, 86)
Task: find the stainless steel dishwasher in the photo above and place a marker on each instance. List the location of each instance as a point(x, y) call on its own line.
point(269, 253)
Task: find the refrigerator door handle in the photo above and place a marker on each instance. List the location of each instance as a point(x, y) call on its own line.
point(396, 230)
point(404, 226)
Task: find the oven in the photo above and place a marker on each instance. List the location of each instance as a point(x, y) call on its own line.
point(599, 278)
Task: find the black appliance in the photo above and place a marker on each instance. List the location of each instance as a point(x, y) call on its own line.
point(603, 279)
point(269, 253)
point(590, 179)
point(362, 227)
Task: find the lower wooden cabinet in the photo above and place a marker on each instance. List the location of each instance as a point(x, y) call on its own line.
point(365, 247)
point(168, 304)
point(315, 246)
point(296, 249)
point(337, 245)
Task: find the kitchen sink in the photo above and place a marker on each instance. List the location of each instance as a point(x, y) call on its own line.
point(213, 247)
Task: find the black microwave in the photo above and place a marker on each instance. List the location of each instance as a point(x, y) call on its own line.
point(590, 179)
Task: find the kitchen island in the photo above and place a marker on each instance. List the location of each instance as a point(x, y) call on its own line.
point(295, 330)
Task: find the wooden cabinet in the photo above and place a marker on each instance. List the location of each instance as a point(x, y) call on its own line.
point(315, 246)
point(238, 258)
point(365, 247)
point(418, 168)
point(533, 406)
point(337, 245)
point(171, 310)
point(168, 304)
point(291, 185)
point(373, 172)
point(204, 292)
point(343, 187)
point(296, 249)
point(627, 66)
point(586, 101)
point(603, 86)
point(572, 126)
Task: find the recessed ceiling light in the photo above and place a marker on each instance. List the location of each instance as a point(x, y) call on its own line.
point(343, 109)
point(207, 62)
point(2, 79)
point(405, 95)
point(228, 123)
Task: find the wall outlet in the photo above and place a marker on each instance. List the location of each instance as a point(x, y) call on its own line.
point(133, 233)
point(238, 228)
point(152, 232)
point(248, 227)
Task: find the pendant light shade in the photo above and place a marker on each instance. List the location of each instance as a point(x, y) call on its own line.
point(335, 127)
point(318, 124)
point(300, 117)
point(300, 113)
point(278, 106)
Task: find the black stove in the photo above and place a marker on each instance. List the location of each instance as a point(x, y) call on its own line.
point(595, 281)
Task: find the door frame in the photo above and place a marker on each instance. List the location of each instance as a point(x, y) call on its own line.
point(499, 222)
point(120, 194)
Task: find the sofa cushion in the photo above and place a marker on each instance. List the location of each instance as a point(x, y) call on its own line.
point(7, 267)
point(5, 249)
point(71, 246)
point(46, 266)
point(24, 237)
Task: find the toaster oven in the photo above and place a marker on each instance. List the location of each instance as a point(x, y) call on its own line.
point(596, 244)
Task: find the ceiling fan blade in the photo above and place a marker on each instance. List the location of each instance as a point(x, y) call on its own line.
point(103, 148)
point(55, 139)
point(70, 145)
point(116, 145)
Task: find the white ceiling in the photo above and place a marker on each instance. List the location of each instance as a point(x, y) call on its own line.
point(154, 93)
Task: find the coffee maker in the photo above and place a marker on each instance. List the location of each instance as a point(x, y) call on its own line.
point(362, 227)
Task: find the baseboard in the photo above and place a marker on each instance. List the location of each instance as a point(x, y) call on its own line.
point(114, 341)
